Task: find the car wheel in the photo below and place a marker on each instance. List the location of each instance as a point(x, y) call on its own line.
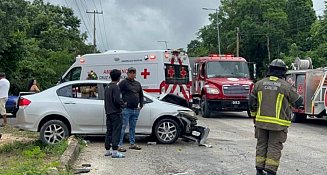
point(298, 118)
point(53, 132)
point(167, 131)
point(205, 108)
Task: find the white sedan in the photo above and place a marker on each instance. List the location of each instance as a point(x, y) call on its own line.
point(64, 110)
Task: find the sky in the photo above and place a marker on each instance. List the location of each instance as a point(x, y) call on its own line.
point(145, 24)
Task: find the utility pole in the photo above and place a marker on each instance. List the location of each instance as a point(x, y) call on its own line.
point(94, 38)
point(237, 42)
point(268, 48)
point(218, 32)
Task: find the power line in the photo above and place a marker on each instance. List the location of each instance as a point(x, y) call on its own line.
point(89, 20)
point(82, 18)
point(101, 33)
point(104, 26)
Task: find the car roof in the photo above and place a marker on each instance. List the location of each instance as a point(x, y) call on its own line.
point(84, 81)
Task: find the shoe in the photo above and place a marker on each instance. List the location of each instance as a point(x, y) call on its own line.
point(108, 153)
point(0, 136)
point(121, 149)
point(117, 155)
point(204, 136)
point(270, 172)
point(135, 147)
point(260, 172)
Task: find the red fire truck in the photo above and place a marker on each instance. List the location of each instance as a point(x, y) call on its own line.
point(221, 83)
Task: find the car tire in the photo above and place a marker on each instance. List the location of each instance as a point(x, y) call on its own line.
point(205, 108)
point(53, 132)
point(299, 118)
point(167, 131)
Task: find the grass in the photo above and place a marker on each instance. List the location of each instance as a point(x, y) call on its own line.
point(30, 157)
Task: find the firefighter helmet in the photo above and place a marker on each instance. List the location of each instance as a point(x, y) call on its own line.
point(277, 68)
point(278, 63)
point(92, 75)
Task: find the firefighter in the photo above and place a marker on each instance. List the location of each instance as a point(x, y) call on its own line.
point(269, 104)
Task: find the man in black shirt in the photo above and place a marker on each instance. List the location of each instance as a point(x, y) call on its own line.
point(133, 98)
point(113, 106)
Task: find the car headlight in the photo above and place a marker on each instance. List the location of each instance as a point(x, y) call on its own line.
point(188, 114)
point(211, 90)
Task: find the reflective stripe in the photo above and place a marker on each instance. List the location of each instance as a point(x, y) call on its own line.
point(273, 78)
point(279, 104)
point(272, 162)
point(271, 119)
point(260, 159)
point(259, 101)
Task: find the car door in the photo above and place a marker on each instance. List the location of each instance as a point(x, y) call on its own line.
point(143, 124)
point(85, 107)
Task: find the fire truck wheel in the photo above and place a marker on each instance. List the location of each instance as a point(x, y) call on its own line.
point(167, 131)
point(298, 118)
point(205, 108)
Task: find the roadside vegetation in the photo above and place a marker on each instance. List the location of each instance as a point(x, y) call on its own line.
point(267, 30)
point(29, 155)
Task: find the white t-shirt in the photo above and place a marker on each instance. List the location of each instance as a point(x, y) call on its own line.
point(4, 88)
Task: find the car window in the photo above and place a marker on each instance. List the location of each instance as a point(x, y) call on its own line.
point(84, 91)
point(73, 74)
point(65, 91)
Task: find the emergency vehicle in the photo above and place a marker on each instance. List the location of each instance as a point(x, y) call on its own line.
point(311, 84)
point(221, 83)
point(158, 71)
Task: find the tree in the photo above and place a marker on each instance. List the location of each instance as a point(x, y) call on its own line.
point(301, 16)
point(260, 21)
point(38, 40)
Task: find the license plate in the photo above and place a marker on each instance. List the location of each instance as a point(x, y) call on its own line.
point(236, 102)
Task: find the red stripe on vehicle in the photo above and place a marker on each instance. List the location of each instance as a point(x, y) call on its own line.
point(152, 90)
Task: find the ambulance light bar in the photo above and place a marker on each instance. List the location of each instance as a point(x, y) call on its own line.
point(223, 55)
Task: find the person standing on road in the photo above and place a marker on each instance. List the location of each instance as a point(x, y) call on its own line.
point(269, 104)
point(32, 86)
point(133, 98)
point(4, 90)
point(113, 107)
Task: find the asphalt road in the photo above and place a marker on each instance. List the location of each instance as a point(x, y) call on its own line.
point(233, 152)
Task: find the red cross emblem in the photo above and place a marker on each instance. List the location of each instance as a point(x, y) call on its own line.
point(183, 72)
point(171, 72)
point(145, 73)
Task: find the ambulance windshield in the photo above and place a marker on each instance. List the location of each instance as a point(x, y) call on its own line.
point(176, 74)
point(233, 69)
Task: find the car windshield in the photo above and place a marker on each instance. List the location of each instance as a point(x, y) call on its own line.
point(234, 69)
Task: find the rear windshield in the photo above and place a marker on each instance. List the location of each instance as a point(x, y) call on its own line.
point(176, 74)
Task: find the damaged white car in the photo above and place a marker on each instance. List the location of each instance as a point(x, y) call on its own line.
point(64, 110)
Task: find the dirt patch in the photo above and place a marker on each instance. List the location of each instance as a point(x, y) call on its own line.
point(11, 134)
point(10, 138)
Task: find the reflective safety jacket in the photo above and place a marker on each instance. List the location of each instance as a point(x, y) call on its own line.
point(270, 103)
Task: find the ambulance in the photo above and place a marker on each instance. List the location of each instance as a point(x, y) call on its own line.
point(158, 71)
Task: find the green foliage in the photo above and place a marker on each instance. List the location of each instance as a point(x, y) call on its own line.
point(38, 40)
point(30, 157)
point(290, 26)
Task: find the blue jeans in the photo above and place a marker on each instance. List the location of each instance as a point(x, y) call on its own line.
point(130, 117)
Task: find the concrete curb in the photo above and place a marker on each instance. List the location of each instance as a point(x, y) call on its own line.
point(68, 158)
